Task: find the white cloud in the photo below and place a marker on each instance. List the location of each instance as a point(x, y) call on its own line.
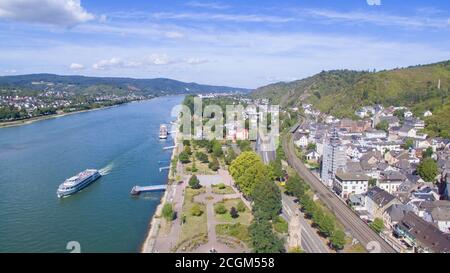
point(108, 63)
point(194, 61)
point(373, 2)
point(174, 34)
point(76, 66)
point(252, 18)
point(55, 12)
point(207, 5)
point(376, 18)
point(159, 59)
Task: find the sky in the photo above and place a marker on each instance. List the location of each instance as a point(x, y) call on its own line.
point(234, 43)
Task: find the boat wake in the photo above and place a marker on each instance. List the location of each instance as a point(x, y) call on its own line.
point(107, 169)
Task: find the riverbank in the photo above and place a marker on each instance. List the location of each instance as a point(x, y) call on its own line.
point(6, 124)
point(155, 222)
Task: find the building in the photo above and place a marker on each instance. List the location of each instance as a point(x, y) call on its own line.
point(334, 158)
point(439, 215)
point(421, 236)
point(375, 134)
point(377, 201)
point(301, 140)
point(390, 181)
point(346, 184)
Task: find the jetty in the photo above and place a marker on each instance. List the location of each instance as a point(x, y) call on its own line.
point(169, 147)
point(164, 168)
point(136, 190)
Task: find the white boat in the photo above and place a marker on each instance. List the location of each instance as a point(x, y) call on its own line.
point(163, 132)
point(76, 183)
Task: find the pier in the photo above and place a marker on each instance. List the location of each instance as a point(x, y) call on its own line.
point(136, 190)
point(164, 168)
point(169, 147)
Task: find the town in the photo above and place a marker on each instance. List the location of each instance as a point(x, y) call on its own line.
point(392, 175)
point(16, 104)
point(380, 168)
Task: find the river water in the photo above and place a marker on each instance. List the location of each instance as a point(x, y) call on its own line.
point(121, 141)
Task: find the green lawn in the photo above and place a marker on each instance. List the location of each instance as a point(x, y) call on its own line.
point(194, 226)
point(236, 230)
point(244, 217)
point(226, 190)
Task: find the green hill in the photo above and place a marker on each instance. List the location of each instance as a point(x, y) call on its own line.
point(107, 85)
point(342, 92)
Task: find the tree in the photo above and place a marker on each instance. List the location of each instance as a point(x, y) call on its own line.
point(383, 125)
point(196, 210)
point(428, 169)
point(214, 164)
point(217, 149)
point(231, 155)
point(220, 208)
point(221, 186)
point(428, 152)
point(326, 227)
point(262, 238)
point(311, 147)
point(167, 212)
point(241, 207)
point(337, 240)
point(194, 182)
point(372, 182)
point(187, 149)
point(184, 157)
point(280, 153)
point(234, 213)
point(267, 200)
point(409, 143)
point(308, 206)
point(186, 142)
point(295, 186)
point(377, 225)
point(276, 169)
point(202, 157)
point(247, 171)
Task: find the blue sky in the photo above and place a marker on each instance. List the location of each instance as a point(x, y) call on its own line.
point(235, 43)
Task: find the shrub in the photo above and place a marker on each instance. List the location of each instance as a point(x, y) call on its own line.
point(241, 206)
point(167, 212)
point(234, 213)
point(194, 182)
point(221, 186)
point(220, 209)
point(196, 210)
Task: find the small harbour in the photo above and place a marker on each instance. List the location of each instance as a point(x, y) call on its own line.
point(121, 142)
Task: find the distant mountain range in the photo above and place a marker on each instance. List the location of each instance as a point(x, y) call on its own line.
point(91, 85)
point(342, 92)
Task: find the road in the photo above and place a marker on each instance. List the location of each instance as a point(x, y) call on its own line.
point(360, 230)
point(311, 241)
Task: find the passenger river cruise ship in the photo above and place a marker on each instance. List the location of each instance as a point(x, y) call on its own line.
point(77, 182)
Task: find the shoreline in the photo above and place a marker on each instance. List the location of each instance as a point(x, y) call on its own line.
point(155, 222)
point(8, 124)
point(15, 123)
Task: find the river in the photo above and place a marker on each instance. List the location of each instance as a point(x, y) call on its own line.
point(121, 141)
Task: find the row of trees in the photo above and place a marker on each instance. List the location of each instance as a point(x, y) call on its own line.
point(322, 220)
point(255, 180)
point(266, 206)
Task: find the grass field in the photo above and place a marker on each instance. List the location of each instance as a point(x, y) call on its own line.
point(236, 230)
point(244, 217)
point(194, 227)
point(226, 190)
